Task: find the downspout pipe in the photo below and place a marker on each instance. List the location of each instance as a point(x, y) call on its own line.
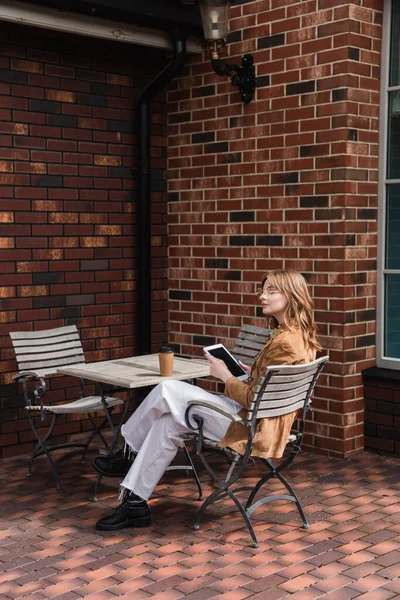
point(144, 217)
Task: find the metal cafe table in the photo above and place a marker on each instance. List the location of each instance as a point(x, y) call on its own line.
point(136, 372)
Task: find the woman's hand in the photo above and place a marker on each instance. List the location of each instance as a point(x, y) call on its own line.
point(218, 368)
point(245, 368)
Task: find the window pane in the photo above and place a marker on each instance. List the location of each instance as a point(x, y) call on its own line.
point(394, 136)
point(394, 77)
point(393, 227)
point(392, 325)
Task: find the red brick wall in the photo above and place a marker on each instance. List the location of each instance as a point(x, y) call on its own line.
point(68, 245)
point(289, 180)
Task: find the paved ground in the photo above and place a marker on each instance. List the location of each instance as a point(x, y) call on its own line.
point(49, 548)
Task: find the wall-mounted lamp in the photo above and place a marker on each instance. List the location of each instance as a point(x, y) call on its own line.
point(214, 15)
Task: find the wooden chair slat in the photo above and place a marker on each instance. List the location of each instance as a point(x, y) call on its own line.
point(24, 351)
point(288, 383)
point(50, 355)
point(31, 335)
point(46, 341)
point(254, 329)
point(278, 412)
point(47, 364)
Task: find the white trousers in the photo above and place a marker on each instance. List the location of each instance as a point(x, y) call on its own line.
point(156, 428)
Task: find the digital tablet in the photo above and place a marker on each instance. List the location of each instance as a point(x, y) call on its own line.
point(219, 351)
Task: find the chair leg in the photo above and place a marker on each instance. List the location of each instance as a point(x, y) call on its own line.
point(115, 432)
point(274, 472)
point(193, 470)
point(41, 445)
point(296, 500)
point(96, 431)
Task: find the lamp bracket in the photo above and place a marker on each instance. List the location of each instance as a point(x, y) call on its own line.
point(244, 76)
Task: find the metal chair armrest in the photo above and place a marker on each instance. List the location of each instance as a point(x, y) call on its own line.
point(234, 417)
point(39, 390)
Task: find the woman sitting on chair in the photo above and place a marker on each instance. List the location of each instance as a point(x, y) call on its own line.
point(156, 429)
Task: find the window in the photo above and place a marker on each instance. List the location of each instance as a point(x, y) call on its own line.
point(388, 341)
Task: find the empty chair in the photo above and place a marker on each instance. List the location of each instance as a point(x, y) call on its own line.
point(39, 354)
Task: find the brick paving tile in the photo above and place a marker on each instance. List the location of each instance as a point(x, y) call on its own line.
point(393, 586)
point(342, 594)
point(368, 583)
point(238, 594)
point(195, 584)
point(357, 558)
point(308, 594)
point(384, 547)
point(378, 594)
point(273, 594)
point(364, 570)
point(333, 583)
point(50, 548)
point(298, 583)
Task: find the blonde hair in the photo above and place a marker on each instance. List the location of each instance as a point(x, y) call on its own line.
point(299, 311)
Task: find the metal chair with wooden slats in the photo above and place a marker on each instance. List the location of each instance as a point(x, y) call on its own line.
point(39, 354)
point(250, 341)
point(282, 389)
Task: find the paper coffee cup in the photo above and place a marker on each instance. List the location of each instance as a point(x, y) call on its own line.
point(166, 359)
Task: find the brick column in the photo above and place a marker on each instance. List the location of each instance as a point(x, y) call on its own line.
point(289, 180)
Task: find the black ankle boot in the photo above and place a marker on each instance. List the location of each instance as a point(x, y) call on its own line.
point(132, 512)
point(114, 465)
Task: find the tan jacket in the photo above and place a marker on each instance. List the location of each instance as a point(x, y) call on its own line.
point(284, 348)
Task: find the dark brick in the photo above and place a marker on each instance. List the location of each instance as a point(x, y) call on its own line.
point(216, 263)
point(48, 301)
point(62, 121)
point(45, 278)
point(79, 299)
point(93, 100)
point(263, 81)
point(354, 53)
point(180, 295)
point(121, 172)
point(7, 76)
point(302, 87)
point(241, 240)
point(291, 177)
point(350, 239)
point(158, 186)
point(206, 90)
point(367, 214)
point(46, 106)
point(70, 312)
point(365, 340)
point(217, 147)
point(94, 265)
point(241, 216)
point(201, 138)
point(124, 126)
point(339, 94)
point(366, 315)
point(203, 340)
point(269, 240)
point(232, 275)
point(314, 201)
point(270, 41)
point(181, 117)
point(370, 429)
point(48, 181)
point(314, 150)
point(105, 89)
point(234, 157)
point(234, 36)
point(352, 135)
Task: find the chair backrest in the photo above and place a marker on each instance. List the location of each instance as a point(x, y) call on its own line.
point(45, 351)
point(249, 342)
point(285, 388)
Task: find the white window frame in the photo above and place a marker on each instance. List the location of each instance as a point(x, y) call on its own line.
point(383, 361)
